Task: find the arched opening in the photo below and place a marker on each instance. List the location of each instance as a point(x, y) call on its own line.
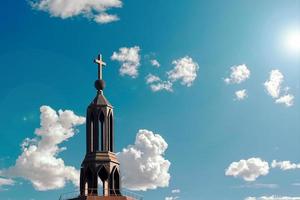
point(102, 130)
point(111, 133)
point(116, 182)
point(103, 175)
point(92, 133)
point(88, 186)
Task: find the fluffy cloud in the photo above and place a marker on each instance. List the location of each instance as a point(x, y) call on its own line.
point(39, 161)
point(129, 58)
point(249, 169)
point(162, 85)
point(6, 182)
point(171, 198)
point(105, 18)
point(287, 100)
point(273, 84)
point(185, 69)
point(155, 63)
point(284, 165)
point(272, 198)
point(150, 78)
point(143, 165)
point(241, 94)
point(92, 9)
point(156, 84)
point(239, 73)
point(175, 191)
point(273, 87)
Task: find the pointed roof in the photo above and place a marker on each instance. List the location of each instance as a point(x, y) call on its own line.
point(100, 100)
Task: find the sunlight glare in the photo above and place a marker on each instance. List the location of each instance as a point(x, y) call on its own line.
point(292, 41)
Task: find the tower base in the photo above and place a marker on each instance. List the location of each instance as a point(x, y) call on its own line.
point(103, 198)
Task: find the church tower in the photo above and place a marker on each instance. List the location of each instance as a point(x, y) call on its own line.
point(100, 167)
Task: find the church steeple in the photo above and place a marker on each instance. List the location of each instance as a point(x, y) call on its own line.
point(100, 162)
point(100, 117)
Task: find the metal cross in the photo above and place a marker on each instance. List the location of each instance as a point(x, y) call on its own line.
point(100, 64)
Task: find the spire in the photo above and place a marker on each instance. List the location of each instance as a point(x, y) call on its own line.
point(100, 84)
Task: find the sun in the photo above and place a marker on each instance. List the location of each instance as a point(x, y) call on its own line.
point(292, 41)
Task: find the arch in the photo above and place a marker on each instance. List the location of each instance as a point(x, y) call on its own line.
point(102, 130)
point(103, 175)
point(92, 132)
point(116, 182)
point(111, 132)
point(88, 183)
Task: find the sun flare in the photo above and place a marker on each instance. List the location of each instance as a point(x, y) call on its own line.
point(292, 41)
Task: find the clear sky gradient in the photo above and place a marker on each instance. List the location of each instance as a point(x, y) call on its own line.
point(49, 61)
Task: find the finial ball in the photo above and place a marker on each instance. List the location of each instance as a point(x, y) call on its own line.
point(99, 84)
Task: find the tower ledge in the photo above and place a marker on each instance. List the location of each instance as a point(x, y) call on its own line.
point(104, 198)
point(101, 156)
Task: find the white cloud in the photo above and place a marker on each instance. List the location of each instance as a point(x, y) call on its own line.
point(258, 185)
point(162, 85)
point(156, 84)
point(273, 87)
point(143, 165)
point(130, 60)
point(272, 198)
point(155, 63)
point(39, 161)
point(6, 182)
point(285, 165)
point(150, 78)
point(185, 69)
point(288, 100)
point(273, 84)
point(91, 9)
point(241, 94)
point(239, 73)
point(105, 18)
point(171, 198)
point(175, 191)
point(249, 169)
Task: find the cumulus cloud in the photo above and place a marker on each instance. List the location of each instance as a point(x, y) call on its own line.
point(239, 73)
point(273, 87)
point(249, 169)
point(273, 84)
point(156, 84)
point(129, 58)
point(155, 63)
point(185, 70)
point(162, 85)
point(287, 100)
point(6, 182)
point(150, 78)
point(241, 94)
point(284, 165)
point(273, 198)
point(39, 162)
point(143, 164)
point(91, 9)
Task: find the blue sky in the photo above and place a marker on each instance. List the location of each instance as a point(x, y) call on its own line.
point(48, 61)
